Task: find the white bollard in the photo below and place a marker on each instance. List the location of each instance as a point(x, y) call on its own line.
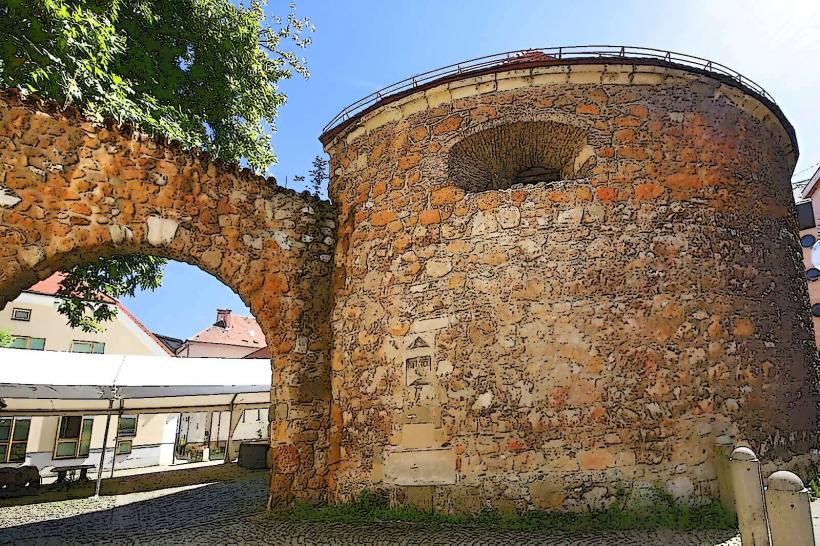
point(722, 453)
point(748, 489)
point(789, 510)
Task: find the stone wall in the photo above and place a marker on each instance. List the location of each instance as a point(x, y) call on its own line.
point(72, 191)
point(548, 283)
point(545, 345)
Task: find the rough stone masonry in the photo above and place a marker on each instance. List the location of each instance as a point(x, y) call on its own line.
point(539, 284)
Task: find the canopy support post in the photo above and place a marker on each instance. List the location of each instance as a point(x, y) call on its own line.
point(102, 452)
point(236, 413)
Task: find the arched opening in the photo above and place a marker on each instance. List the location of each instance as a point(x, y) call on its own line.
point(520, 153)
point(117, 192)
point(173, 426)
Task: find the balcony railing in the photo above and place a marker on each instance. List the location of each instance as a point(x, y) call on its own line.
point(540, 55)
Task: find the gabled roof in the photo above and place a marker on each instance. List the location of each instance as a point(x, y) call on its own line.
point(51, 285)
point(173, 343)
point(239, 331)
point(808, 190)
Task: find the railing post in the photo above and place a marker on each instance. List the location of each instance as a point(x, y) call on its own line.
point(789, 510)
point(748, 490)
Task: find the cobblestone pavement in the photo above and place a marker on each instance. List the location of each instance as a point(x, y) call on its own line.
point(231, 513)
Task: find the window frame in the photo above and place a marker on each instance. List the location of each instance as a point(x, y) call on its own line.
point(77, 448)
point(118, 451)
point(92, 344)
point(129, 435)
point(28, 342)
point(14, 314)
point(10, 442)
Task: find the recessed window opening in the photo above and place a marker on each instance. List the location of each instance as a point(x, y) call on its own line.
point(21, 314)
point(537, 175)
point(520, 153)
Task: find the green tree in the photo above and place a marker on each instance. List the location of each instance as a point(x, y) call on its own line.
point(318, 174)
point(5, 338)
point(204, 72)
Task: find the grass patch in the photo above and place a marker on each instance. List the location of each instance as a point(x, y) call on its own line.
point(659, 511)
point(814, 487)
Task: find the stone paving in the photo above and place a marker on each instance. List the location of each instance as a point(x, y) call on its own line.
point(231, 513)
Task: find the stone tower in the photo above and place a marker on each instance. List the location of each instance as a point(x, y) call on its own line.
point(555, 278)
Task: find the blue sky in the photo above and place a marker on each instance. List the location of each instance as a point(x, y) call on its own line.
point(360, 46)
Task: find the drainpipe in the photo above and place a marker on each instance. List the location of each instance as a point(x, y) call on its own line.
point(102, 452)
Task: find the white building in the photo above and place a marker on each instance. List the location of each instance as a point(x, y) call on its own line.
point(140, 440)
point(144, 397)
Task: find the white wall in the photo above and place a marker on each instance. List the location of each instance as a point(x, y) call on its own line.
point(152, 445)
point(121, 335)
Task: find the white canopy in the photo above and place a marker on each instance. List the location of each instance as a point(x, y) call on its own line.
point(44, 382)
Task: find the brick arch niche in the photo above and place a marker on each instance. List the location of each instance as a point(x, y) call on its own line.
point(72, 191)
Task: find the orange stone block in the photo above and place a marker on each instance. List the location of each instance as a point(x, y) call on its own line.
point(419, 133)
point(489, 200)
point(606, 194)
point(409, 161)
point(382, 217)
point(446, 195)
point(648, 191)
point(430, 216)
point(595, 459)
point(447, 125)
point(379, 188)
point(590, 109)
point(683, 181)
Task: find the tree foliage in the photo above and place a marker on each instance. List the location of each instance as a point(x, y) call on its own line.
point(204, 72)
point(318, 174)
point(5, 338)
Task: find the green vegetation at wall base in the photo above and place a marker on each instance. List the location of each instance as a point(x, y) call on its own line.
point(660, 513)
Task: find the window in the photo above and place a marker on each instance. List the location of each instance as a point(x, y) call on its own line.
point(123, 447)
point(127, 426)
point(97, 347)
point(812, 274)
point(21, 314)
point(25, 342)
point(73, 437)
point(530, 152)
point(13, 439)
point(807, 241)
point(815, 309)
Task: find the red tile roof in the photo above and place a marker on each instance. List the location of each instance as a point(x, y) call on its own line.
point(51, 285)
point(232, 330)
point(264, 352)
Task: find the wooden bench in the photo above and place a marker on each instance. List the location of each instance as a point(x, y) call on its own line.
point(64, 471)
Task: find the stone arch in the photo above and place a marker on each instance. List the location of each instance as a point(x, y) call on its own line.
point(72, 191)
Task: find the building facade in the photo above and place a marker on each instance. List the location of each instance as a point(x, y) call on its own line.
point(34, 322)
point(53, 441)
point(230, 336)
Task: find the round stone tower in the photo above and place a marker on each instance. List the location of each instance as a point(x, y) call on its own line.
point(557, 278)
